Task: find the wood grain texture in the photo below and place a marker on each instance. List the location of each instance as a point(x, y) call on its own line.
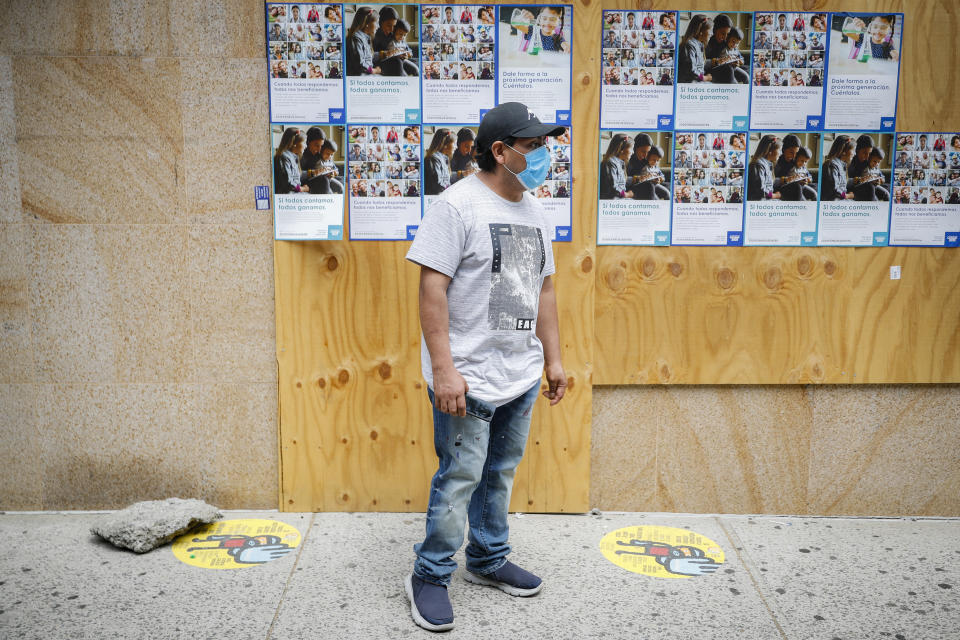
point(356, 429)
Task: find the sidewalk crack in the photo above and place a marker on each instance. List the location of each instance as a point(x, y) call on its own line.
point(733, 539)
point(286, 585)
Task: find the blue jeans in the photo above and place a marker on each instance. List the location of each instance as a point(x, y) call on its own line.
point(478, 454)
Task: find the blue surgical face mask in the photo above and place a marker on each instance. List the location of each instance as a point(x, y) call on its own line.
point(538, 165)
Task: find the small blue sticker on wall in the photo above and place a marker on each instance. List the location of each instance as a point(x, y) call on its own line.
point(262, 195)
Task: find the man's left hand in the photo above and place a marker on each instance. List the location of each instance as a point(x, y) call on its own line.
point(557, 380)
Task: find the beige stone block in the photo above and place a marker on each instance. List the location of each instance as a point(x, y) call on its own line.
point(84, 27)
point(886, 450)
point(9, 167)
point(99, 140)
point(217, 28)
point(237, 432)
point(227, 144)
point(110, 303)
point(107, 446)
point(232, 303)
point(16, 350)
point(623, 465)
point(74, 339)
point(734, 449)
point(20, 478)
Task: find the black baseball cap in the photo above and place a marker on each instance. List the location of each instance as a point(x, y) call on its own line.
point(512, 120)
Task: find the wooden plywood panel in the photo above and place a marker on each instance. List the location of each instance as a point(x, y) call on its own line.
point(353, 438)
point(905, 330)
point(665, 315)
point(682, 315)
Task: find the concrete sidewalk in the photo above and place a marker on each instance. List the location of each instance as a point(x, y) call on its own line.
point(782, 577)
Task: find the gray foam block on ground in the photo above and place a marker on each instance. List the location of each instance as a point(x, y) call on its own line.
point(147, 525)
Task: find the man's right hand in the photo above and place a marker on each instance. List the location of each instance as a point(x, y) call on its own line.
point(450, 391)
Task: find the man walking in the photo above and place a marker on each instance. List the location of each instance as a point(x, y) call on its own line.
point(489, 319)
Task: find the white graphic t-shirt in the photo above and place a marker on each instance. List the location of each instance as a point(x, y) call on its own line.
point(497, 253)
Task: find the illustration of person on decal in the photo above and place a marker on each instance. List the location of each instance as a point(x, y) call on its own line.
point(483, 356)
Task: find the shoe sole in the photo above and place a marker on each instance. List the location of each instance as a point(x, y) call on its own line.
point(419, 619)
point(503, 586)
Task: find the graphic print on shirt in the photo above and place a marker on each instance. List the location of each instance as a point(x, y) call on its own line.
point(518, 260)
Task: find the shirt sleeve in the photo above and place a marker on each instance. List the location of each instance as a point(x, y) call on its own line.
point(440, 239)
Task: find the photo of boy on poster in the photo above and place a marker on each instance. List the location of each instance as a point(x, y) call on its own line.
point(302, 48)
point(864, 44)
point(783, 167)
point(715, 47)
point(307, 160)
point(535, 30)
point(382, 40)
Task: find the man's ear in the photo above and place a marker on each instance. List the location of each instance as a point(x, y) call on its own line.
point(497, 149)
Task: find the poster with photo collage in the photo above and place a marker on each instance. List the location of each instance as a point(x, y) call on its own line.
point(459, 62)
point(384, 176)
point(305, 54)
point(555, 193)
point(708, 187)
point(926, 190)
point(789, 64)
point(637, 60)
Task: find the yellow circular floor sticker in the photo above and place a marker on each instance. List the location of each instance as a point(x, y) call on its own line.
point(662, 552)
point(234, 544)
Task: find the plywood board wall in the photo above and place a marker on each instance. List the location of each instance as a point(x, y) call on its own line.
point(355, 426)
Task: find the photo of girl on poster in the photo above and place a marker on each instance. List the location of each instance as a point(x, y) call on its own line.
point(783, 167)
point(633, 165)
point(382, 40)
point(307, 159)
point(715, 47)
point(856, 166)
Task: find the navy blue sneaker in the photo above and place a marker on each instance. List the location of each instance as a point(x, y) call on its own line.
point(429, 604)
point(510, 579)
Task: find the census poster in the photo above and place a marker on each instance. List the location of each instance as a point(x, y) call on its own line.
point(634, 187)
point(305, 56)
point(308, 179)
point(789, 60)
point(782, 178)
point(926, 190)
point(534, 56)
point(459, 61)
point(383, 165)
point(555, 194)
point(713, 70)
point(864, 71)
point(382, 54)
point(708, 188)
point(637, 58)
point(855, 176)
